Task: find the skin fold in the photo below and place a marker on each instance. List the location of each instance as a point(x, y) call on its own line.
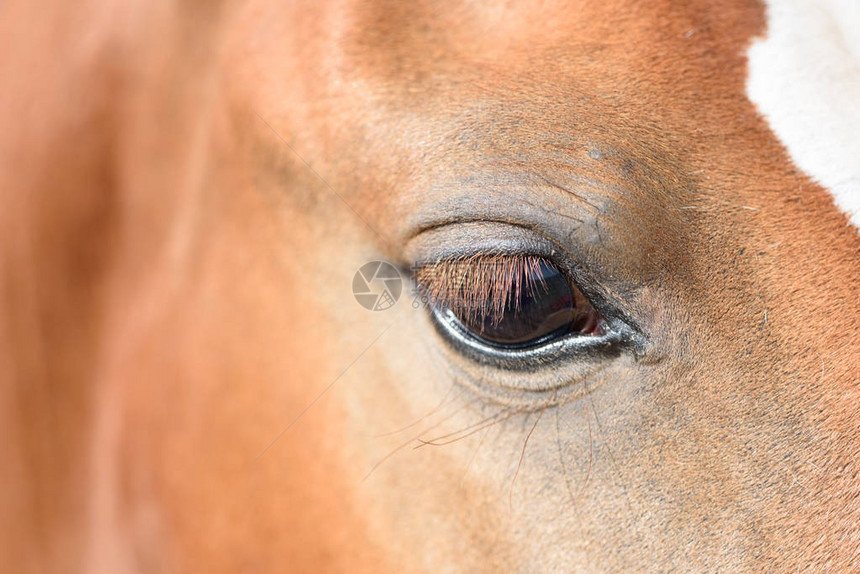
point(189, 385)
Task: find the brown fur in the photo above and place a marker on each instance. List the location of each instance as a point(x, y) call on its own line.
point(175, 291)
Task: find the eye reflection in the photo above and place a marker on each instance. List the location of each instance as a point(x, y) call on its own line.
point(511, 301)
point(547, 307)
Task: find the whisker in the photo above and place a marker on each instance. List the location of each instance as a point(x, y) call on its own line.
point(523, 453)
point(480, 426)
point(564, 470)
point(429, 413)
point(474, 455)
point(413, 438)
point(568, 190)
point(590, 451)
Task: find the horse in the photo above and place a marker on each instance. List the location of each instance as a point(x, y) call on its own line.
point(369, 286)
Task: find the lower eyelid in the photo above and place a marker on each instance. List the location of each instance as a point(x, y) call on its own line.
point(558, 372)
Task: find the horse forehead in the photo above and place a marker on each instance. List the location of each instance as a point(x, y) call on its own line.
point(616, 67)
point(506, 26)
point(804, 77)
point(550, 40)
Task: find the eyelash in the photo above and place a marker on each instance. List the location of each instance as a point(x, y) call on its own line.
point(480, 285)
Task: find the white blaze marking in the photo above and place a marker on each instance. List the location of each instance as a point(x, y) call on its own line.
point(804, 77)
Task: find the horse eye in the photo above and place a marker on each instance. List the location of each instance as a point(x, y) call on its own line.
point(538, 308)
point(512, 301)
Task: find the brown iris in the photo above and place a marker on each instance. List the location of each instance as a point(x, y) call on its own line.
point(510, 300)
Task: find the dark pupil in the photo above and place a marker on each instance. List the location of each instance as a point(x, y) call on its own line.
point(548, 307)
